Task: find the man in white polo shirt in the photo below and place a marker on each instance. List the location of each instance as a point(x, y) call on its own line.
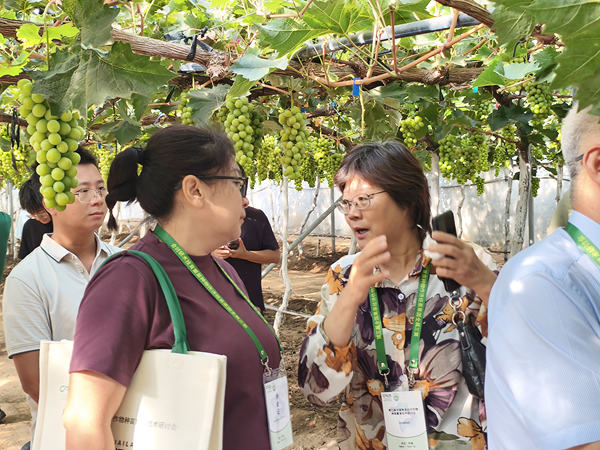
point(43, 292)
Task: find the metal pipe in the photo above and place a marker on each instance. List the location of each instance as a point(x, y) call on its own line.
point(300, 238)
point(400, 31)
point(131, 235)
point(292, 313)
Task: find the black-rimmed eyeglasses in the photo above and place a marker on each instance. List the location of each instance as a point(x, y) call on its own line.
point(361, 201)
point(243, 187)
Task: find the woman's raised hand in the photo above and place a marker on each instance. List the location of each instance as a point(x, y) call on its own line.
point(461, 264)
point(338, 324)
point(362, 276)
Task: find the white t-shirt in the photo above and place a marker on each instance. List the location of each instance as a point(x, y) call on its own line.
point(42, 296)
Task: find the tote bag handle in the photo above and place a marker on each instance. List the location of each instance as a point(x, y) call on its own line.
point(181, 344)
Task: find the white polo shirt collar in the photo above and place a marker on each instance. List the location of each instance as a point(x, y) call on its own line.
point(57, 252)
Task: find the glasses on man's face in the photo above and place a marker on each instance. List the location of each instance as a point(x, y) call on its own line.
point(243, 184)
point(88, 195)
point(39, 216)
point(360, 201)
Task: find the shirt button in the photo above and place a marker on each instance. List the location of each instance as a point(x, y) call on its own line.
point(400, 296)
point(411, 320)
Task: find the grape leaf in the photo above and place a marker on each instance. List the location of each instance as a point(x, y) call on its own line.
point(286, 35)
point(504, 116)
point(519, 70)
point(489, 77)
point(322, 17)
point(512, 21)
point(253, 68)
point(577, 23)
point(78, 79)
point(139, 103)
point(29, 35)
point(205, 101)
point(93, 18)
point(339, 17)
point(124, 130)
point(566, 17)
point(240, 86)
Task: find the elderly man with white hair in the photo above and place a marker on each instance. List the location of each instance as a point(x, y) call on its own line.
point(542, 386)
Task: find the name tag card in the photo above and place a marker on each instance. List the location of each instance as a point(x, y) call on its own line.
point(405, 423)
point(278, 409)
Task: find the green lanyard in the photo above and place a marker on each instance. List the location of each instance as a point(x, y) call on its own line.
point(583, 242)
point(413, 362)
point(187, 261)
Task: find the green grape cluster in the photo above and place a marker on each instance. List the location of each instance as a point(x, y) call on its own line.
point(535, 186)
point(268, 161)
point(185, 111)
point(308, 172)
point(55, 140)
point(519, 59)
point(409, 127)
point(335, 159)
point(478, 140)
point(539, 97)
point(105, 157)
point(293, 139)
point(483, 108)
point(458, 161)
point(480, 183)
point(240, 126)
point(24, 157)
point(500, 159)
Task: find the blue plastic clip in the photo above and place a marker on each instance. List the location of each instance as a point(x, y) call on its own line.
point(336, 110)
point(99, 145)
point(476, 89)
point(158, 118)
point(355, 88)
point(303, 110)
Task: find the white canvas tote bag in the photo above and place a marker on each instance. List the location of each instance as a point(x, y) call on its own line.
point(175, 399)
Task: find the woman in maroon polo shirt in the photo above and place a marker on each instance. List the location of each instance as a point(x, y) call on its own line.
point(191, 184)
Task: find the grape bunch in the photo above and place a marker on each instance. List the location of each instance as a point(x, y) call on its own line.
point(334, 161)
point(478, 141)
point(105, 157)
point(239, 124)
point(268, 161)
point(483, 108)
point(535, 186)
point(480, 183)
point(409, 127)
point(539, 97)
point(24, 157)
point(293, 138)
point(55, 140)
point(500, 159)
point(458, 161)
point(505, 151)
point(309, 171)
point(185, 111)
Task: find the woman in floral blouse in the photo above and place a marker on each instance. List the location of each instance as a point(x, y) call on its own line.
point(386, 203)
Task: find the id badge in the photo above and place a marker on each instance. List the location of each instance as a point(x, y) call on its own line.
point(405, 424)
point(278, 409)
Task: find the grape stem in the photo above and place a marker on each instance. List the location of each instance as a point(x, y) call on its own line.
point(497, 136)
point(520, 83)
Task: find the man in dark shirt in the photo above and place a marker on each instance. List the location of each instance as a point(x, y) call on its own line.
point(256, 246)
point(40, 222)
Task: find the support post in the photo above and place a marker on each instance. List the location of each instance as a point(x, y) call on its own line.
point(507, 216)
point(300, 238)
point(353, 244)
point(530, 212)
point(459, 211)
point(434, 180)
point(516, 244)
point(559, 182)
point(310, 211)
point(332, 196)
point(284, 258)
point(11, 212)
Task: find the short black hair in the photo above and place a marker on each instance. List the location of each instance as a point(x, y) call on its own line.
point(87, 157)
point(29, 195)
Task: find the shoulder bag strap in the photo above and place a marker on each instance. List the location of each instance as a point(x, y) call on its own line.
point(181, 344)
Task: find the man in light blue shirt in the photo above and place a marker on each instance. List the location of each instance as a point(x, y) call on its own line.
point(542, 386)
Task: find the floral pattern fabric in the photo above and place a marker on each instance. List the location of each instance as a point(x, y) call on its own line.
point(455, 419)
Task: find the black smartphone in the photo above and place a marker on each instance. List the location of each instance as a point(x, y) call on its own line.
point(445, 222)
point(234, 245)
